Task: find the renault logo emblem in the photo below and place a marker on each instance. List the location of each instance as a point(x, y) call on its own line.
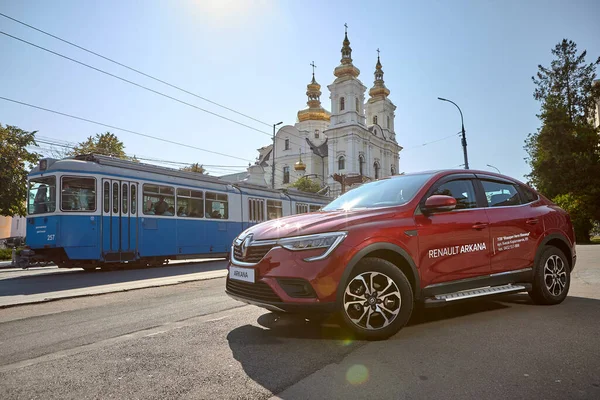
point(246, 244)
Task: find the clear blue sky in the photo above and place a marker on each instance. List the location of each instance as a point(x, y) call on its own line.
point(254, 56)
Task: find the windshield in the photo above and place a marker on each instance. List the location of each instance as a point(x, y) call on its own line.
point(384, 193)
point(42, 195)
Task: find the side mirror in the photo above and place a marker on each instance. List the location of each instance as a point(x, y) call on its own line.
point(438, 203)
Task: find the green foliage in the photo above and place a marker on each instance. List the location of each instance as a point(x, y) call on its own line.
point(564, 153)
point(578, 208)
point(306, 184)
point(15, 162)
point(198, 168)
point(6, 254)
point(107, 144)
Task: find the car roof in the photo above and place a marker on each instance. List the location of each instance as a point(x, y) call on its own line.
point(443, 172)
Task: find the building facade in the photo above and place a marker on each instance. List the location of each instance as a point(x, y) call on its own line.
point(355, 142)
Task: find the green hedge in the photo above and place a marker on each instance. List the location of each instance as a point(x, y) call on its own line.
point(6, 254)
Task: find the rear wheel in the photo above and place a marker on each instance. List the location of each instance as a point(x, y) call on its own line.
point(377, 300)
point(552, 277)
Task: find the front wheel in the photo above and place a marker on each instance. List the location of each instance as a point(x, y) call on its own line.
point(552, 277)
point(377, 300)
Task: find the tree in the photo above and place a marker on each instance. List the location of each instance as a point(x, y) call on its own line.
point(107, 144)
point(198, 168)
point(15, 160)
point(564, 153)
point(305, 184)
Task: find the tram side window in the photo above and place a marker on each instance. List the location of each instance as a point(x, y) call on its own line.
point(301, 208)
point(217, 206)
point(77, 193)
point(190, 203)
point(256, 209)
point(115, 201)
point(159, 200)
point(125, 199)
point(41, 198)
point(314, 208)
point(133, 199)
point(107, 197)
point(274, 209)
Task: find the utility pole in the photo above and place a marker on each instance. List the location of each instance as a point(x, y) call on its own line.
point(273, 155)
point(464, 138)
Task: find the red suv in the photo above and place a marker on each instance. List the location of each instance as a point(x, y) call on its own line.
point(432, 237)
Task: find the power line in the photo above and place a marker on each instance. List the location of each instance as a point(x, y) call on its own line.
point(139, 85)
point(123, 129)
point(133, 83)
point(133, 69)
point(433, 141)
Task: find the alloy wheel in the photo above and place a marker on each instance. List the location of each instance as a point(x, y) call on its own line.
point(555, 275)
point(372, 300)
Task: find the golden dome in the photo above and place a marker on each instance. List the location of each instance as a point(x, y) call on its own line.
point(300, 166)
point(378, 90)
point(346, 69)
point(314, 112)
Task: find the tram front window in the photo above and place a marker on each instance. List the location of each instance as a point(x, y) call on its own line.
point(78, 194)
point(41, 198)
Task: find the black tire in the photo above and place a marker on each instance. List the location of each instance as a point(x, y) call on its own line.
point(550, 285)
point(381, 271)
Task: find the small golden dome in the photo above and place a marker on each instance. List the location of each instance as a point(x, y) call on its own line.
point(300, 166)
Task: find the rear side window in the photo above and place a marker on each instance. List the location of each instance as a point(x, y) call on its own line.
point(500, 194)
point(529, 194)
point(462, 190)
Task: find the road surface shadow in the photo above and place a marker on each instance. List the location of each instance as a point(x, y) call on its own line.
point(279, 352)
point(52, 282)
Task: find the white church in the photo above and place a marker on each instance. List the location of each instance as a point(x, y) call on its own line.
point(355, 142)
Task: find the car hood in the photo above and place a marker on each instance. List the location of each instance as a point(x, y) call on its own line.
point(316, 222)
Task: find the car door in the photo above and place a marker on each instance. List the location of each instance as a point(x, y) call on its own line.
point(515, 227)
point(454, 245)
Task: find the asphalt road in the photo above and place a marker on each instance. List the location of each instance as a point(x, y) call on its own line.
point(191, 341)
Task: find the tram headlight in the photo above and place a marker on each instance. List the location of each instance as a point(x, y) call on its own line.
point(328, 241)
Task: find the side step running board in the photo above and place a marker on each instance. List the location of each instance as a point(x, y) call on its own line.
point(485, 291)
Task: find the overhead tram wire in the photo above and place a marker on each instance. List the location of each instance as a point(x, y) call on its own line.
point(134, 70)
point(137, 84)
point(125, 130)
point(433, 141)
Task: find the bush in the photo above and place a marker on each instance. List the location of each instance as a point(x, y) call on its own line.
point(5, 254)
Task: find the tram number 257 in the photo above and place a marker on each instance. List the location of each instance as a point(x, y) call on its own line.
point(51, 237)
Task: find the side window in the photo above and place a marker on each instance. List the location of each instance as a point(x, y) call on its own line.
point(314, 208)
point(274, 209)
point(125, 198)
point(462, 190)
point(529, 194)
point(78, 194)
point(301, 208)
point(500, 194)
point(115, 200)
point(190, 203)
point(107, 197)
point(256, 210)
point(133, 199)
point(217, 206)
point(158, 200)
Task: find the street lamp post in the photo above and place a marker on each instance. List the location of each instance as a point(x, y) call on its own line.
point(494, 168)
point(273, 160)
point(464, 138)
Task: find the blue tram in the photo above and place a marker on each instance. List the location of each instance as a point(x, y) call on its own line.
point(96, 211)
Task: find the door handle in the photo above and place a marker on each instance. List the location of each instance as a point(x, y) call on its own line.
point(532, 221)
point(479, 226)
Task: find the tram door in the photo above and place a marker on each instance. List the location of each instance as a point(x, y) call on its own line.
point(119, 220)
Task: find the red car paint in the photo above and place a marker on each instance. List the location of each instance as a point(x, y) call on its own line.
point(443, 247)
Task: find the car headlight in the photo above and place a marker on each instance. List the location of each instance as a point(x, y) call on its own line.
point(328, 241)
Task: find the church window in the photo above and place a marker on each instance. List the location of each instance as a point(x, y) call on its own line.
point(393, 171)
point(361, 161)
point(341, 163)
point(342, 104)
point(388, 122)
point(287, 144)
point(357, 108)
point(316, 133)
point(376, 168)
point(286, 174)
point(374, 119)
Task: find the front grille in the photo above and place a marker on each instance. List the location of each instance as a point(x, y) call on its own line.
point(255, 291)
point(254, 253)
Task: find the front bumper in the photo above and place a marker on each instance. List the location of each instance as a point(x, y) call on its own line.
point(293, 308)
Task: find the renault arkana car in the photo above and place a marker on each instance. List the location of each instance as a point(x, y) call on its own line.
point(431, 238)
